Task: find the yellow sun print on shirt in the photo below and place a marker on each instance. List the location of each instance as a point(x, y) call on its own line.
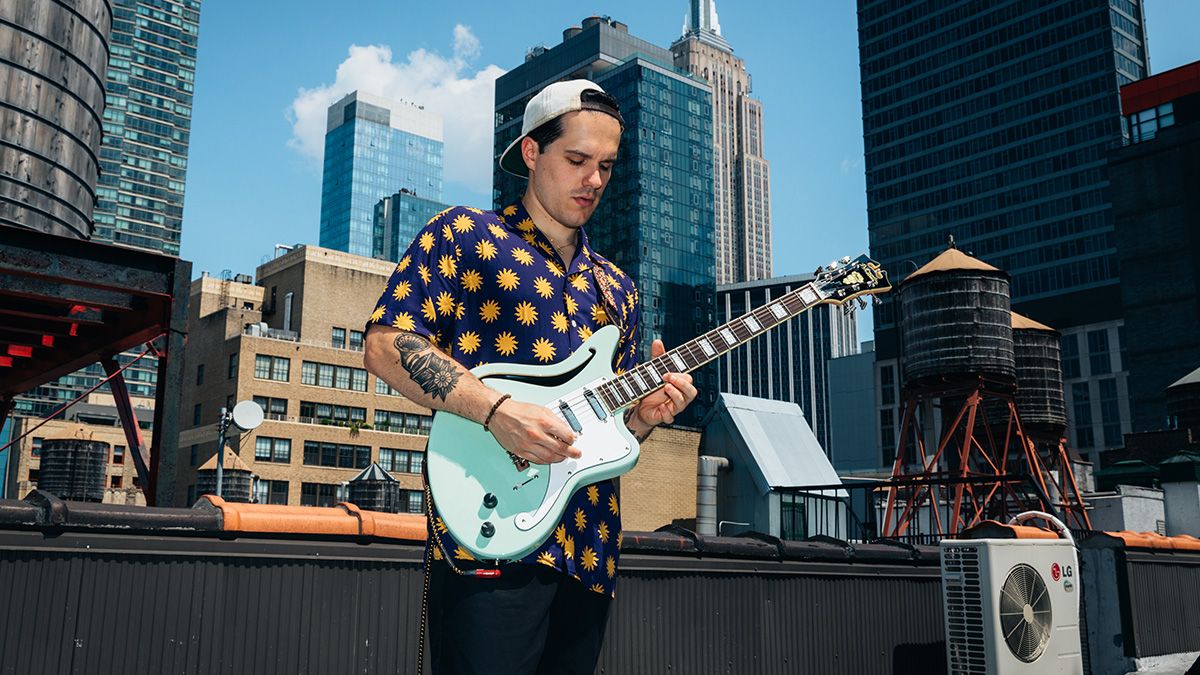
point(543, 350)
point(585, 332)
point(402, 290)
point(597, 588)
point(468, 342)
point(580, 520)
point(459, 310)
point(560, 534)
point(579, 282)
point(510, 210)
point(463, 223)
point(461, 553)
point(522, 256)
point(506, 343)
point(404, 321)
point(569, 548)
point(485, 249)
point(525, 225)
point(589, 559)
point(572, 306)
point(424, 272)
point(447, 233)
point(427, 310)
point(593, 495)
point(599, 316)
point(610, 567)
point(472, 280)
point(447, 266)
point(404, 263)
point(507, 279)
point(612, 505)
point(554, 268)
point(497, 231)
point(546, 558)
point(426, 241)
point(559, 321)
point(526, 314)
point(602, 532)
point(445, 303)
point(489, 311)
point(542, 287)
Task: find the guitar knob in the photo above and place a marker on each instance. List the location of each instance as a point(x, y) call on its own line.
point(833, 265)
point(489, 500)
point(845, 260)
point(487, 529)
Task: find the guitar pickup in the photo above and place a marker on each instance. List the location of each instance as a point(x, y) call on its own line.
point(569, 415)
point(597, 408)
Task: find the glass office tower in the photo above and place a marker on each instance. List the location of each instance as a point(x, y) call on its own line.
point(991, 121)
point(373, 148)
point(656, 217)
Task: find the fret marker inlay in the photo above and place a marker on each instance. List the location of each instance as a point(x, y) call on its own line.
point(640, 382)
point(752, 323)
point(729, 339)
point(706, 346)
point(778, 310)
point(654, 375)
point(627, 389)
point(808, 296)
point(679, 363)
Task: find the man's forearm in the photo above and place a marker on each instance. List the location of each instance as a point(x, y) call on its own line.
point(424, 374)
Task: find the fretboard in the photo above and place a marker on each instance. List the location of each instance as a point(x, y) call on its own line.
point(645, 378)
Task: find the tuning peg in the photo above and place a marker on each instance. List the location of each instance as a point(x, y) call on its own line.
point(862, 302)
point(877, 300)
point(818, 272)
point(833, 264)
point(845, 260)
point(848, 308)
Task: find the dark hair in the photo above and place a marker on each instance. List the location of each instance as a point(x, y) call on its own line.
point(592, 99)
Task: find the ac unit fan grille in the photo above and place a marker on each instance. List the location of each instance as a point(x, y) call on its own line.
point(965, 640)
point(1025, 615)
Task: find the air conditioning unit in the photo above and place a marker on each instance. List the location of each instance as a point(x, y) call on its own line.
point(1011, 603)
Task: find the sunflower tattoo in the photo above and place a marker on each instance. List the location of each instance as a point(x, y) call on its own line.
point(435, 375)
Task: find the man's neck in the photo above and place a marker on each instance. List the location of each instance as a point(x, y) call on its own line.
point(564, 239)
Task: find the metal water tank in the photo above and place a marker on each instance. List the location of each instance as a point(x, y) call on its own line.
point(237, 481)
point(73, 466)
point(374, 489)
point(1040, 401)
point(955, 321)
point(53, 65)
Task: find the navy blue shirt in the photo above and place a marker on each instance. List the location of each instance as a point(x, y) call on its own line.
point(488, 287)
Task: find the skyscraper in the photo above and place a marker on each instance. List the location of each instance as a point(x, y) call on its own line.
point(402, 216)
point(143, 158)
point(991, 122)
point(655, 220)
point(373, 148)
point(791, 362)
point(741, 173)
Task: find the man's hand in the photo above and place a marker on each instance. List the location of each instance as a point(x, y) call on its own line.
point(663, 405)
point(532, 432)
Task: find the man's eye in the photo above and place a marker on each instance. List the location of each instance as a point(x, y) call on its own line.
point(575, 162)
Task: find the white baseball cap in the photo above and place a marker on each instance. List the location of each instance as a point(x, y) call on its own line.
point(555, 100)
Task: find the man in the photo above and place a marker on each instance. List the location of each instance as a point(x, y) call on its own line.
point(522, 285)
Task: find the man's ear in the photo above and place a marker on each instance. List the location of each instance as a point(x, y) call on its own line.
point(529, 152)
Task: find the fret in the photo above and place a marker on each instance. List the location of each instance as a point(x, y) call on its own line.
point(606, 397)
point(778, 310)
point(625, 386)
point(706, 346)
point(678, 362)
point(638, 378)
point(654, 373)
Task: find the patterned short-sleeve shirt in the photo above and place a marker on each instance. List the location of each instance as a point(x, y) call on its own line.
point(488, 287)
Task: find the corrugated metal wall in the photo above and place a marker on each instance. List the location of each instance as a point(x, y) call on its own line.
point(1164, 602)
point(96, 603)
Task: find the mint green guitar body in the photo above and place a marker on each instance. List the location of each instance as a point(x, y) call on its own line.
point(499, 512)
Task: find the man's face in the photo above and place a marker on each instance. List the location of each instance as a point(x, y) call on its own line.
point(569, 177)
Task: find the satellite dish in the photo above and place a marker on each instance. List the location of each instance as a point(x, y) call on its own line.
point(247, 415)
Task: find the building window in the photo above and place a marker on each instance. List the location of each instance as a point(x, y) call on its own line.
point(1098, 356)
point(338, 455)
point(1082, 407)
point(413, 500)
point(338, 339)
point(33, 476)
point(328, 413)
point(385, 389)
point(1070, 357)
point(887, 392)
point(406, 423)
point(267, 449)
point(1110, 413)
point(333, 377)
point(318, 494)
point(118, 454)
point(196, 415)
point(36, 450)
point(273, 408)
point(1144, 125)
point(271, 492)
point(401, 461)
point(287, 311)
point(233, 366)
point(271, 367)
point(194, 455)
point(356, 340)
point(887, 434)
point(199, 374)
point(114, 481)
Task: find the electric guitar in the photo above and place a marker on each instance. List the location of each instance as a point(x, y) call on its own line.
point(501, 510)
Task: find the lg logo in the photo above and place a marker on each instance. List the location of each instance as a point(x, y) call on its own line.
point(1057, 572)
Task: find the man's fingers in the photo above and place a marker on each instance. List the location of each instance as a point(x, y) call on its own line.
point(657, 349)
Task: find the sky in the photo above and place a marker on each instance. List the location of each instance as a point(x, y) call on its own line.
point(267, 70)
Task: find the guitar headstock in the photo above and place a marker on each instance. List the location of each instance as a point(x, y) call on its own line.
point(847, 279)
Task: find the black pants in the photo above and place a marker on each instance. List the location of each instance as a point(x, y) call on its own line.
point(529, 620)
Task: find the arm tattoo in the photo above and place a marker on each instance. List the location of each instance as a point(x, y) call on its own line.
point(435, 375)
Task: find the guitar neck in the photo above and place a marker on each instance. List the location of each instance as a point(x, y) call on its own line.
point(646, 378)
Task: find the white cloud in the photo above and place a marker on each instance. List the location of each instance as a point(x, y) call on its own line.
point(850, 164)
point(463, 95)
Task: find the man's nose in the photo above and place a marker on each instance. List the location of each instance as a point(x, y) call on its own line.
point(594, 180)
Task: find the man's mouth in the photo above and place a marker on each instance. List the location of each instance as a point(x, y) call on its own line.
point(584, 200)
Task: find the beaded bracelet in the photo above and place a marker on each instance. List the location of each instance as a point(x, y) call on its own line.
point(495, 405)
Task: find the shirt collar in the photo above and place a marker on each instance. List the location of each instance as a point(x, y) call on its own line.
point(516, 218)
